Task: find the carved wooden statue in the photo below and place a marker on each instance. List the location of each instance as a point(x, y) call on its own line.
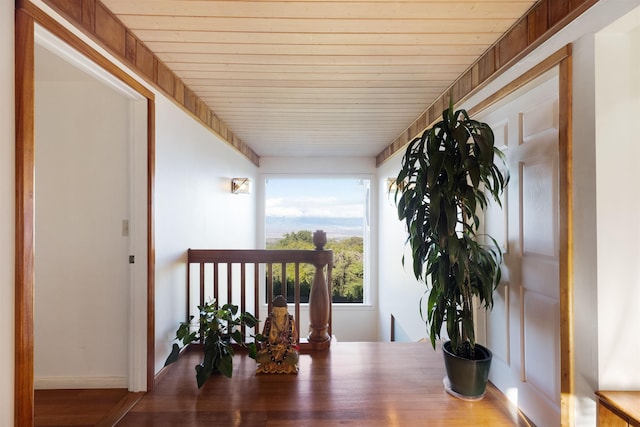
point(279, 353)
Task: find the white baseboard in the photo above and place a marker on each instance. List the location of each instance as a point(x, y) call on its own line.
point(48, 383)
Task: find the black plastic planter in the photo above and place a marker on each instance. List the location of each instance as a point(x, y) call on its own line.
point(467, 378)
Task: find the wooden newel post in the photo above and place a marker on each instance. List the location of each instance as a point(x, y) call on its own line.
point(320, 298)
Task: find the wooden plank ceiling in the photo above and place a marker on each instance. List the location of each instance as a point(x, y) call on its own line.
point(318, 78)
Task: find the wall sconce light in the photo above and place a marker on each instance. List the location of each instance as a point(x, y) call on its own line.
point(392, 186)
point(240, 185)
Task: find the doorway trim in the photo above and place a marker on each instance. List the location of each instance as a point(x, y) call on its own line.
point(562, 59)
point(26, 16)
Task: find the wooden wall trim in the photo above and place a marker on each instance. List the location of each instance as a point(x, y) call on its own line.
point(151, 244)
point(24, 210)
point(563, 59)
point(65, 35)
point(543, 20)
point(26, 15)
point(567, 351)
point(103, 27)
point(548, 63)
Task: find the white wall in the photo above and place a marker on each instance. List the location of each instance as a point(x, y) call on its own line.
point(7, 206)
point(584, 237)
point(617, 104)
point(400, 292)
point(350, 322)
point(194, 208)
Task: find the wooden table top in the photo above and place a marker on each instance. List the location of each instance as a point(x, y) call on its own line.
point(624, 401)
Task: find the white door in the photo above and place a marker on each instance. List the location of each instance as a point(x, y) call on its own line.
point(523, 330)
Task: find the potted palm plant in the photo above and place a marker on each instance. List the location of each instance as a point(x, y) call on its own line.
point(446, 179)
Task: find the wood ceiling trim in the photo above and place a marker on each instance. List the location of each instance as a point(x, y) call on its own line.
point(316, 25)
point(302, 10)
point(394, 70)
point(542, 21)
point(92, 17)
point(213, 36)
point(317, 60)
point(212, 49)
point(349, 84)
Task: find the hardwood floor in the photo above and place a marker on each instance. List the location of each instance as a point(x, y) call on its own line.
point(83, 407)
point(353, 384)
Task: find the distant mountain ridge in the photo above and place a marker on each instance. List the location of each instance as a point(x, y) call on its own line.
point(336, 228)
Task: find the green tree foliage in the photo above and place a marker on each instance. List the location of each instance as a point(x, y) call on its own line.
point(348, 267)
point(296, 240)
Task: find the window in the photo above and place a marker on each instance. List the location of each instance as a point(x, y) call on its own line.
point(296, 207)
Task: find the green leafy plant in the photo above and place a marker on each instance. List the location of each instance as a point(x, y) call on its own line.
point(442, 187)
point(215, 330)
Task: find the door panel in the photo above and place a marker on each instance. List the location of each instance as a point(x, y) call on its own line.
point(497, 328)
point(540, 317)
point(538, 204)
point(524, 326)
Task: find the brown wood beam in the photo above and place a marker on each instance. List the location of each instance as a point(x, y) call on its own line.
point(542, 21)
point(151, 242)
point(24, 211)
point(26, 16)
point(102, 26)
point(567, 317)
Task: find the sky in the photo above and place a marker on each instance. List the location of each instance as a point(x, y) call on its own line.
point(316, 197)
point(334, 205)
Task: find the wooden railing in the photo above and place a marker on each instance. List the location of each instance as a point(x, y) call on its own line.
point(217, 277)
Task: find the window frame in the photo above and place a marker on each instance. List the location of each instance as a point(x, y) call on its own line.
point(369, 246)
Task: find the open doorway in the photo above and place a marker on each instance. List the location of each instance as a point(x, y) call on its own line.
point(89, 295)
point(30, 25)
